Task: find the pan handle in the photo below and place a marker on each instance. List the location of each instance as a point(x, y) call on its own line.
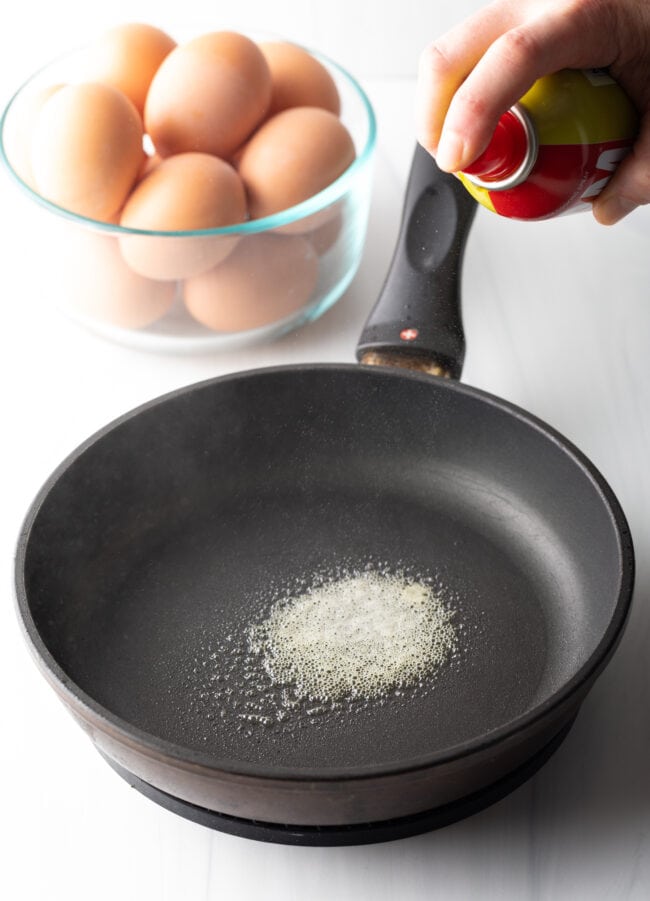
point(416, 322)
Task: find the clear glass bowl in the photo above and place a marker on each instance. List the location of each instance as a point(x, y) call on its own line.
point(292, 265)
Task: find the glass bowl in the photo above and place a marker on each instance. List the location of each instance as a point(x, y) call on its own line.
point(274, 274)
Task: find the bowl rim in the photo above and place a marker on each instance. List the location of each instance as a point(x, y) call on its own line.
point(314, 204)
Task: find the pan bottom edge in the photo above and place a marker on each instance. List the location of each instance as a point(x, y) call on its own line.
point(357, 833)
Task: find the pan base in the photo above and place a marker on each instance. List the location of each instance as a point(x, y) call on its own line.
point(358, 833)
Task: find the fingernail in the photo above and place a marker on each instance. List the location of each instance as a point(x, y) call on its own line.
point(612, 209)
point(450, 151)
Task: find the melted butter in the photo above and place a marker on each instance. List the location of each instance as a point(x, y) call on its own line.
point(361, 636)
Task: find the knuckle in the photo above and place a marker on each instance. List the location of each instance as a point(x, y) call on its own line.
point(474, 106)
point(434, 60)
point(517, 47)
point(593, 12)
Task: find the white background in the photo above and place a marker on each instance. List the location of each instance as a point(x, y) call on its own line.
point(371, 37)
point(558, 320)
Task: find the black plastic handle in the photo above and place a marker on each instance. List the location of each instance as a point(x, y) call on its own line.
point(417, 316)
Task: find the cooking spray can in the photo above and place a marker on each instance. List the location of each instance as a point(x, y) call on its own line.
point(556, 149)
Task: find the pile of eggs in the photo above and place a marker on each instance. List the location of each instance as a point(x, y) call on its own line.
point(158, 137)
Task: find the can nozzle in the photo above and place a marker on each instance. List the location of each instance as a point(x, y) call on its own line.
point(510, 155)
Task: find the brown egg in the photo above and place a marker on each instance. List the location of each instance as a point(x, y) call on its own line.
point(293, 156)
point(264, 280)
point(298, 79)
point(19, 127)
point(86, 149)
point(208, 95)
point(100, 286)
point(149, 163)
point(189, 191)
point(127, 57)
point(325, 236)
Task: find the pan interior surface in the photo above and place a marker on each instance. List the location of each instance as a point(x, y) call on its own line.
point(157, 547)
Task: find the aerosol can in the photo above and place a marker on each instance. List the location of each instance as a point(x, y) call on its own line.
point(556, 149)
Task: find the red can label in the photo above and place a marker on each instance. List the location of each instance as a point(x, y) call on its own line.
point(564, 176)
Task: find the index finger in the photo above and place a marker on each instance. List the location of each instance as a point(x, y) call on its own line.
point(548, 41)
point(446, 63)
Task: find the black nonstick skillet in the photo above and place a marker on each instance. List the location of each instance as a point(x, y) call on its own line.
point(152, 549)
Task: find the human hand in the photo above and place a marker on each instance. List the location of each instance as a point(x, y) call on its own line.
point(479, 69)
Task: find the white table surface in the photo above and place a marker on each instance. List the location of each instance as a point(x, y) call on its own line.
point(557, 316)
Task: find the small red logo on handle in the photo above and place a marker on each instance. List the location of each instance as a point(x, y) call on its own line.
point(409, 334)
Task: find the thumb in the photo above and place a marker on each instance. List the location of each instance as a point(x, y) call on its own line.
point(630, 184)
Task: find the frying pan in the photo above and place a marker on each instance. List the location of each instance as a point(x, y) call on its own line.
point(152, 550)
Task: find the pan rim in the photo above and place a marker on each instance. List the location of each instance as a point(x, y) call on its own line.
point(158, 748)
